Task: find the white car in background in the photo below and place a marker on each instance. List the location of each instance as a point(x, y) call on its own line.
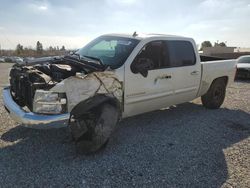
point(243, 67)
point(2, 60)
point(18, 60)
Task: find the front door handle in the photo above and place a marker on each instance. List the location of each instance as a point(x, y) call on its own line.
point(165, 76)
point(162, 77)
point(194, 72)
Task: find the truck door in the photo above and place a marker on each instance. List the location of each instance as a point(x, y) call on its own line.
point(186, 69)
point(151, 89)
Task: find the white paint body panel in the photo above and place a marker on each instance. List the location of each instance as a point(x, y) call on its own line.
point(216, 69)
point(138, 94)
point(144, 94)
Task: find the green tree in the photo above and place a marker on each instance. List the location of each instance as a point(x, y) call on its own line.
point(205, 44)
point(222, 44)
point(62, 48)
point(51, 48)
point(39, 47)
point(19, 49)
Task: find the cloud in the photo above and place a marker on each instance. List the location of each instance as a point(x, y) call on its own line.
point(73, 42)
point(122, 2)
point(42, 7)
point(201, 19)
point(38, 6)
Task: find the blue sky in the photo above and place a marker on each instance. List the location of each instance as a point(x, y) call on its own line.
point(73, 23)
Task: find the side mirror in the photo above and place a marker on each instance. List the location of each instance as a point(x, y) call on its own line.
point(142, 66)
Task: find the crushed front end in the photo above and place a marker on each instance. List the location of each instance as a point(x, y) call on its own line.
point(29, 98)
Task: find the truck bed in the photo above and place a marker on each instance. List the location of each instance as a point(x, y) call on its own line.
point(216, 69)
point(211, 58)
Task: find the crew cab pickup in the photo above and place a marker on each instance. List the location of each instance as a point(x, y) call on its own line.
point(113, 77)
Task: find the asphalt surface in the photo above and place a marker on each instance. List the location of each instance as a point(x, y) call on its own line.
point(184, 146)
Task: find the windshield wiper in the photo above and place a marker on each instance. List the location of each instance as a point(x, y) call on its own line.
point(76, 54)
point(87, 62)
point(94, 58)
point(83, 64)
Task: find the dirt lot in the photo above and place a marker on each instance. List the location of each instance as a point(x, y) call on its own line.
point(185, 146)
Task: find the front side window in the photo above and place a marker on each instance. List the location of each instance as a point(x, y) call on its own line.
point(112, 51)
point(154, 54)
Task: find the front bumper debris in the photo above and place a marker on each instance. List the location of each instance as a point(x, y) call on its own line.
point(30, 119)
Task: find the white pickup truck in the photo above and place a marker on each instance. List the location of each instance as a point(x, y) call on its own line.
point(114, 76)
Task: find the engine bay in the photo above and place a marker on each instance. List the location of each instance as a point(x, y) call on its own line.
point(44, 74)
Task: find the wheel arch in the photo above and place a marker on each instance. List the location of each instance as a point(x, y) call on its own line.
point(206, 85)
point(215, 97)
point(224, 78)
point(93, 102)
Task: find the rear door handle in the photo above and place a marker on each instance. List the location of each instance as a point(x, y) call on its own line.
point(194, 72)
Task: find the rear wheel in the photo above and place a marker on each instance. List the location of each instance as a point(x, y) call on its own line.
point(92, 130)
point(215, 96)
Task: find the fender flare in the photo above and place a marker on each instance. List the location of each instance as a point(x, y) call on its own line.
point(92, 102)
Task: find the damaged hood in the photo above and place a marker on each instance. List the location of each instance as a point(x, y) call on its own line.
point(45, 73)
point(84, 64)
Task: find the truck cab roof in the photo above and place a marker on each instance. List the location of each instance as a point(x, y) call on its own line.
point(143, 36)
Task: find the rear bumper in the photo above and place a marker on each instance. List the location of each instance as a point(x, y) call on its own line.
point(30, 119)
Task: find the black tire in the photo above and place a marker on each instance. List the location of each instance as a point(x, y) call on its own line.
point(215, 96)
point(92, 131)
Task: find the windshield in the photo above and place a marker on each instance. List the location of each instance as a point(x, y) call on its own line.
point(244, 60)
point(112, 51)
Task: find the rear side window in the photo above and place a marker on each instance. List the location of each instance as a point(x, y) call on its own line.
point(181, 53)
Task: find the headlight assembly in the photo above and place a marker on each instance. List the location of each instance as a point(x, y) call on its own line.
point(48, 102)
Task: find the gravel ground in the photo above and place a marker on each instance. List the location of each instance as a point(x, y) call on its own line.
point(184, 146)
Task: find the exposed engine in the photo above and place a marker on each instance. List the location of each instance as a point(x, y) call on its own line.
point(44, 74)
